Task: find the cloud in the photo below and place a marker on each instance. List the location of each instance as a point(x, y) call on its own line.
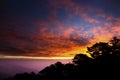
point(67, 27)
point(58, 44)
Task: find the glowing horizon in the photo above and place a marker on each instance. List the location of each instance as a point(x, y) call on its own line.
point(28, 57)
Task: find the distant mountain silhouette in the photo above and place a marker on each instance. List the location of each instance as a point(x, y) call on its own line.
point(104, 63)
point(11, 70)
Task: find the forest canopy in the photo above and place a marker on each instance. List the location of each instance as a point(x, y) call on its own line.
point(103, 63)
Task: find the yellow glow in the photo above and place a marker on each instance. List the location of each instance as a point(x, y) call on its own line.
point(26, 57)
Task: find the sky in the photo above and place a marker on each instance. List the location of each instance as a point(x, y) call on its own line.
point(56, 28)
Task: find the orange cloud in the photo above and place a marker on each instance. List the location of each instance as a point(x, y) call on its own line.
point(101, 34)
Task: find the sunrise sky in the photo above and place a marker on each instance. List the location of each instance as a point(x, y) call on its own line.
point(55, 28)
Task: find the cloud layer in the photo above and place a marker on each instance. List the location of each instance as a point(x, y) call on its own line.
point(57, 27)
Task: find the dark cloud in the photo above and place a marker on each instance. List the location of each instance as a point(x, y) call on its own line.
point(7, 49)
point(109, 6)
point(81, 41)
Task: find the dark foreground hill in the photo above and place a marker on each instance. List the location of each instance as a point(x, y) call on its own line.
point(104, 63)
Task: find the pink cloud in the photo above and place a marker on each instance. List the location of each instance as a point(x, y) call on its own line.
point(91, 20)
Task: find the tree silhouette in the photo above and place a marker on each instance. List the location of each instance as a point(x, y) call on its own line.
point(105, 48)
point(103, 63)
point(25, 76)
point(115, 46)
point(52, 72)
point(99, 49)
point(81, 59)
